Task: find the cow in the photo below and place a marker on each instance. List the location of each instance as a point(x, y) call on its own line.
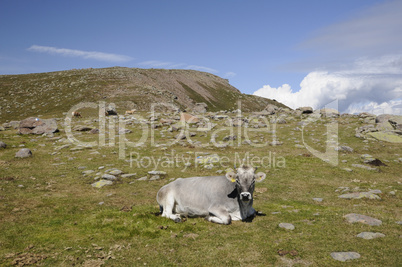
point(76, 114)
point(220, 199)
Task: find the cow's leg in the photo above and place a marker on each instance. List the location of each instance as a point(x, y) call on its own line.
point(219, 215)
point(168, 207)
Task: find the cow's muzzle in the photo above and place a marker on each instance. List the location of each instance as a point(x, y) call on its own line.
point(245, 196)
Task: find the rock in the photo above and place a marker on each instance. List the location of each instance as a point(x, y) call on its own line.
point(11, 124)
point(364, 167)
point(156, 175)
point(101, 183)
point(88, 172)
point(287, 226)
point(317, 199)
point(389, 136)
point(396, 122)
point(176, 127)
point(305, 110)
point(370, 235)
point(94, 131)
point(109, 177)
point(2, 128)
point(81, 128)
point(111, 111)
point(359, 195)
point(23, 153)
point(142, 178)
point(185, 117)
point(230, 137)
point(344, 256)
point(353, 218)
point(125, 131)
point(344, 149)
point(37, 126)
point(2, 144)
point(115, 172)
point(128, 175)
point(271, 109)
point(200, 108)
point(180, 136)
point(329, 112)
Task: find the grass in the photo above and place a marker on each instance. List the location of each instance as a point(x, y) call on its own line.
point(57, 214)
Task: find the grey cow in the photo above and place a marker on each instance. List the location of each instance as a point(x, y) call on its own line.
point(220, 199)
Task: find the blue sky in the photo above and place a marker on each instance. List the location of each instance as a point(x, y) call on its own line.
point(298, 52)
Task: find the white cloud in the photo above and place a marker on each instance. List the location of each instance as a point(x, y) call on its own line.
point(170, 65)
point(201, 68)
point(229, 74)
point(367, 84)
point(155, 63)
point(79, 53)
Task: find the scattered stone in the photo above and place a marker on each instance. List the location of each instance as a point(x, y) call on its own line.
point(88, 172)
point(200, 107)
point(329, 113)
point(370, 235)
point(287, 226)
point(142, 178)
point(389, 136)
point(2, 144)
point(230, 137)
point(125, 131)
point(344, 149)
point(392, 193)
point(24, 153)
point(185, 117)
point(364, 167)
point(128, 175)
point(305, 110)
point(109, 177)
point(81, 128)
point(347, 169)
point(115, 172)
point(101, 183)
point(344, 256)
point(37, 126)
point(94, 131)
point(317, 199)
point(353, 218)
point(359, 195)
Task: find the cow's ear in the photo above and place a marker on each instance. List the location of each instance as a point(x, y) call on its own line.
point(260, 176)
point(231, 176)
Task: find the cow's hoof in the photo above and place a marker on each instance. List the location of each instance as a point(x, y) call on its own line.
point(177, 220)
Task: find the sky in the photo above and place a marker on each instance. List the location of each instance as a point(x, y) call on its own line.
point(301, 53)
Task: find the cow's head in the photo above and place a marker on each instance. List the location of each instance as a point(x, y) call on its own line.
point(245, 178)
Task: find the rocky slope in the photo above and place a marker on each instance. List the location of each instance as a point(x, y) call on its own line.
point(54, 93)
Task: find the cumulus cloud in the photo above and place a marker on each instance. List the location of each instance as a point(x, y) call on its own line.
point(79, 53)
point(357, 61)
point(367, 85)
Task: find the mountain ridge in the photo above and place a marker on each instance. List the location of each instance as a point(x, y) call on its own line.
point(54, 93)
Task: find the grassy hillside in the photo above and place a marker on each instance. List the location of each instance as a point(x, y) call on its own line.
point(51, 94)
point(50, 215)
